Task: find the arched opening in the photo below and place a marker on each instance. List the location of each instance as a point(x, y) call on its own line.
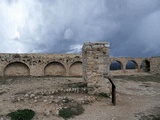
point(16, 69)
point(131, 65)
point(116, 65)
point(55, 69)
point(76, 69)
point(145, 66)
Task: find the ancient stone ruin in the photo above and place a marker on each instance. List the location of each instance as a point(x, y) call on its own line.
point(95, 64)
point(92, 64)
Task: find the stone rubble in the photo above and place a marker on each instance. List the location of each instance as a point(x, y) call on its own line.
point(46, 96)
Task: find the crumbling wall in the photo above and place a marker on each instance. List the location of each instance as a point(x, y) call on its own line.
point(40, 64)
point(95, 65)
point(155, 65)
point(71, 64)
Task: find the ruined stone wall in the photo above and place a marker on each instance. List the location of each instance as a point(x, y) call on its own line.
point(155, 65)
point(123, 62)
point(96, 62)
point(92, 65)
point(69, 64)
point(40, 64)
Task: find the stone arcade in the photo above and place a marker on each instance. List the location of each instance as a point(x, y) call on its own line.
point(92, 64)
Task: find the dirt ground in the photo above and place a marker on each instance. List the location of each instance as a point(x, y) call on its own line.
point(136, 100)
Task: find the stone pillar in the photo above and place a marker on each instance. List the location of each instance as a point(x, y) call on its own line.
point(155, 65)
point(96, 63)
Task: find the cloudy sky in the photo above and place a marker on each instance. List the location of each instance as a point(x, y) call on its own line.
point(62, 26)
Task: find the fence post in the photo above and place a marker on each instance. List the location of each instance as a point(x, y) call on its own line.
point(113, 95)
point(113, 91)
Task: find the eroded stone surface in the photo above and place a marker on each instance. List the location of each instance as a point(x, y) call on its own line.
point(96, 62)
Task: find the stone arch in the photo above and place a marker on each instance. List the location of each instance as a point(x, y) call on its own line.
point(55, 69)
point(131, 64)
point(116, 65)
point(145, 66)
point(16, 69)
point(76, 69)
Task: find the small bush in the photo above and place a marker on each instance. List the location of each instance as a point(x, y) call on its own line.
point(66, 113)
point(25, 114)
point(71, 111)
point(104, 95)
point(156, 118)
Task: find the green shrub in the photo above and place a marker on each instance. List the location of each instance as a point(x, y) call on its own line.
point(66, 113)
point(156, 118)
point(104, 95)
point(25, 114)
point(71, 111)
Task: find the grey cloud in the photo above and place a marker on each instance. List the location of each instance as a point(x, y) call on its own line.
point(58, 26)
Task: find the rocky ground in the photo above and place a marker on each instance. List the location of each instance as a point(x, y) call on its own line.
point(136, 100)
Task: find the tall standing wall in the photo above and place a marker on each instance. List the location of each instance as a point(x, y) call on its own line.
point(95, 57)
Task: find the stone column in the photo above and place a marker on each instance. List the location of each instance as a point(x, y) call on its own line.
point(96, 63)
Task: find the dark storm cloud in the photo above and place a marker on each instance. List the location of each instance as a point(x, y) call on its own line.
point(62, 26)
point(135, 17)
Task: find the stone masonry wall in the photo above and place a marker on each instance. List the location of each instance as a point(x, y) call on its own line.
point(40, 64)
point(155, 65)
point(70, 64)
point(92, 65)
point(96, 63)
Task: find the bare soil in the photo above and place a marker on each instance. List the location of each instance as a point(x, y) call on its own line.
point(136, 100)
